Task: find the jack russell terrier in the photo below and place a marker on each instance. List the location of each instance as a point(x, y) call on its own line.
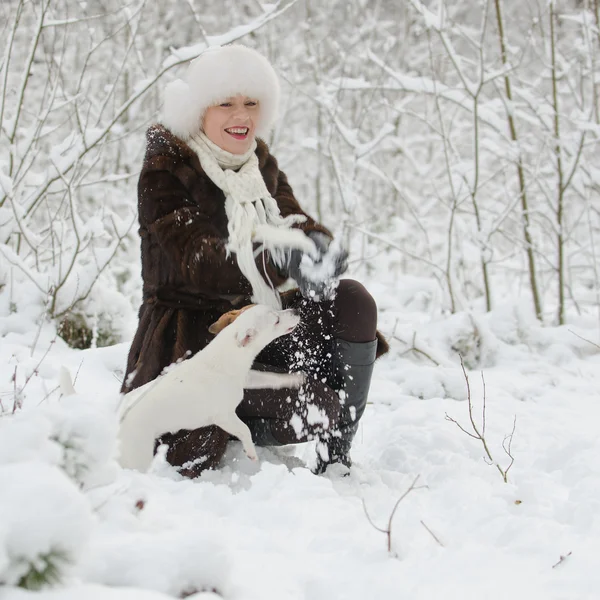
point(204, 389)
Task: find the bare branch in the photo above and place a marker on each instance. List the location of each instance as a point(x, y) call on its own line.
point(6, 61)
point(584, 339)
point(480, 435)
point(449, 418)
point(562, 559)
point(26, 72)
point(370, 520)
point(432, 534)
point(388, 529)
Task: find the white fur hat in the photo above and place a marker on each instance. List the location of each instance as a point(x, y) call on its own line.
point(219, 73)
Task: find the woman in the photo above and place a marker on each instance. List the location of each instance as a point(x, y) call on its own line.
point(220, 227)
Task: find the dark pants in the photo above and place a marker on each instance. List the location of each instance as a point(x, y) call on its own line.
point(295, 415)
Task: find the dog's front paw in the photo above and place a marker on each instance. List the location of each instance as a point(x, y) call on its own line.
point(249, 448)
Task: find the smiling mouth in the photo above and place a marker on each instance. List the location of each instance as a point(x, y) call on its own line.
point(239, 133)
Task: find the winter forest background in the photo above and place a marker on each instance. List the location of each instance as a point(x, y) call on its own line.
point(453, 145)
point(456, 138)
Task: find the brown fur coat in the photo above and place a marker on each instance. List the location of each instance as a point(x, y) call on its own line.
point(188, 280)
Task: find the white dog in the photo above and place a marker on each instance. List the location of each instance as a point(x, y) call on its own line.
point(207, 388)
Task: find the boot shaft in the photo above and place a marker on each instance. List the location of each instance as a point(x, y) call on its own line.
point(353, 364)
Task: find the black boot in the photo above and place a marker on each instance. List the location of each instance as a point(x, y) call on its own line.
point(261, 432)
point(352, 370)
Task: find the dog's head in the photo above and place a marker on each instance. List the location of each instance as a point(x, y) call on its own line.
point(257, 325)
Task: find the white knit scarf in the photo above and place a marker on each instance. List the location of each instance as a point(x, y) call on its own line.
point(252, 213)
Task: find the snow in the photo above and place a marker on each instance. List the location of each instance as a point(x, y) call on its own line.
point(60, 524)
point(273, 530)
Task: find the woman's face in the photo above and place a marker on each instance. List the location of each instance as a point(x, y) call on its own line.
point(231, 125)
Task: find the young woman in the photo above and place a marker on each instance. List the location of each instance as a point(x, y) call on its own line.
point(210, 199)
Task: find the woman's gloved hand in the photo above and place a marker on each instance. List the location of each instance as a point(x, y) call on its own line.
point(317, 276)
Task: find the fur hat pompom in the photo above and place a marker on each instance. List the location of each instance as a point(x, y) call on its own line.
point(217, 74)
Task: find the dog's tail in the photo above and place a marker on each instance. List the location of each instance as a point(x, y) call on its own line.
point(65, 382)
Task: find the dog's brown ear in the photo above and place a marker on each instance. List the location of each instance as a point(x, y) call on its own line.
point(227, 319)
point(245, 337)
point(214, 328)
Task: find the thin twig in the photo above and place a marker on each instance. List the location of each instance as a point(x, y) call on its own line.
point(388, 530)
point(449, 418)
point(432, 534)
point(414, 348)
point(507, 447)
point(16, 403)
point(480, 435)
point(562, 559)
point(370, 520)
point(483, 410)
point(584, 339)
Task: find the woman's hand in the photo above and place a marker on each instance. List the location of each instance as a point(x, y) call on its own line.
point(317, 277)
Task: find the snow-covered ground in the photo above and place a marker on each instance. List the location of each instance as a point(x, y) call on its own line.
point(274, 530)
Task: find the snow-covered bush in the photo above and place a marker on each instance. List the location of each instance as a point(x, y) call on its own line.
point(45, 523)
point(49, 456)
point(86, 434)
point(76, 434)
